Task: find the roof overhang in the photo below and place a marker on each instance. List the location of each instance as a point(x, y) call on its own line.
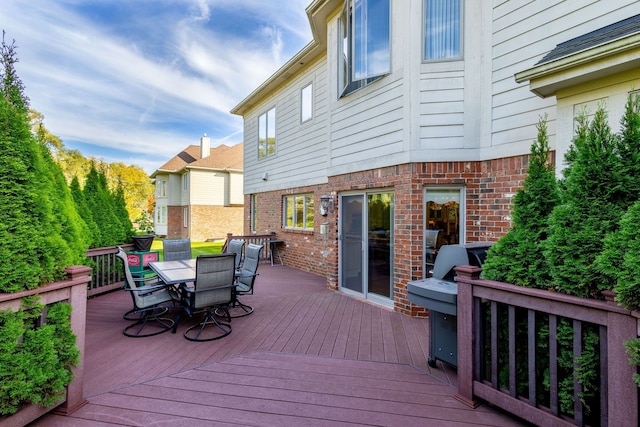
point(318, 13)
point(607, 59)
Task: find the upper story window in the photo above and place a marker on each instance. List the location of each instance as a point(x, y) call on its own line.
point(185, 182)
point(267, 134)
point(306, 103)
point(442, 29)
point(365, 53)
point(299, 211)
point(161, 188)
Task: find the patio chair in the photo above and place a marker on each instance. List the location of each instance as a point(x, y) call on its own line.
point(213, 289)
point(235, 247)
point(176, 249)
point(149, 302)
point(245, 280)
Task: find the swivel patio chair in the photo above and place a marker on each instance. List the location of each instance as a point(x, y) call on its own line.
point(213, 289)
point(176, 249)
point(150, 303)
point(245, 280)
point(235, 247)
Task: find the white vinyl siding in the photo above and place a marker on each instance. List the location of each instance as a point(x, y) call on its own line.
point(236, 184)
point(465, 109)
point(210, 188)
point(302, 150)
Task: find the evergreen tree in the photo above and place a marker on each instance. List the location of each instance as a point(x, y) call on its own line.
point(84, 212)
point(68, 223)
point(32, 246)
point(620, 260)
point(100, 203)
point(630, 150)
point(126, 227)
point(517, 257)
point(592, 201)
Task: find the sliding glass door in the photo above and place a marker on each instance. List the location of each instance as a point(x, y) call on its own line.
point(366, 245)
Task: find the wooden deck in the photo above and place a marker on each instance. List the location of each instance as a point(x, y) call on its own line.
point(306, 356)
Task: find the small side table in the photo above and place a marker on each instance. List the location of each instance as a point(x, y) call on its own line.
point(273, 248)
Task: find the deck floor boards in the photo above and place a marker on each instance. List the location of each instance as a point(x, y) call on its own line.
point(307, 356)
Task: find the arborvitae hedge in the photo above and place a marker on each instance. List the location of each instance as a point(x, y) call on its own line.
point(34, 218)
point(591, 206)
point(517, 257)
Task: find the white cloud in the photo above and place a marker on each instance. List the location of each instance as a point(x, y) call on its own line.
point(151, 84)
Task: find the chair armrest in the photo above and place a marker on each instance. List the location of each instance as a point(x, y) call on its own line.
point(148, 288)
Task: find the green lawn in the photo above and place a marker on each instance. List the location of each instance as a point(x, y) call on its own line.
point(197, 248)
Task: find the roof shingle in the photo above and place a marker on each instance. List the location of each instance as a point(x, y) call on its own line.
point(221, 157)
point(595, 38)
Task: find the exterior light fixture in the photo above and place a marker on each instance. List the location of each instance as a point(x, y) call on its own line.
point(326, 205)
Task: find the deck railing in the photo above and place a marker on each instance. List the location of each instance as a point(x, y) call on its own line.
point(107, 273)
point(258, 239)
point(493, 361)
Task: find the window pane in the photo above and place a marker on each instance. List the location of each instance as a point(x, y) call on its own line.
point(442, 213)
point(262, 135)
point(299, 201)
point(309, 212)
point(288, 209)
point(343, 49)
point(371, 55)
point(306, 103)
point(271, 131)
point(442, 29)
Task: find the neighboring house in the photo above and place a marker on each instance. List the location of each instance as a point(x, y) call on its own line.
point(407, 116)
point(199, 193)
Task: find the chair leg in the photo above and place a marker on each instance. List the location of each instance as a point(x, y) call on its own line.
point(152, 320)
point(193, 333)
point(238, 309)
point(235, 309)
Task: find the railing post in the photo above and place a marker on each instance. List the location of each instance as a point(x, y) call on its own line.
point(78, 300)
point(466, 335)
point(622, 393)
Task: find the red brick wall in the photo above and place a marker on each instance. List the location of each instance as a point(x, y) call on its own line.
point(304, 250)
point(206, 222)
point(175, 223)
point(214, 222)
point(490, 187)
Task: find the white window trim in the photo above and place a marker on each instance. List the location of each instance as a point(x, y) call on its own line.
point(304, 212)
point(347, 83)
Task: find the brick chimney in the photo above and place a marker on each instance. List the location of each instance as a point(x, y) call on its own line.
point(205, 146)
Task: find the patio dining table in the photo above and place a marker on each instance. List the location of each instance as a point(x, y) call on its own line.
point(175, 272)
point(178, 272)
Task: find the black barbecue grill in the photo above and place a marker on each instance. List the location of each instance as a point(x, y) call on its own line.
point(439, 294)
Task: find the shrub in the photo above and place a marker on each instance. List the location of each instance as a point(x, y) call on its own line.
point(36, 360)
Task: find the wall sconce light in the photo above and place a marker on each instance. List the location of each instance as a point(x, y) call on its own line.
point(326, 205)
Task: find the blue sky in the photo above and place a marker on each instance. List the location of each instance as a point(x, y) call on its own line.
point(137, 81)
